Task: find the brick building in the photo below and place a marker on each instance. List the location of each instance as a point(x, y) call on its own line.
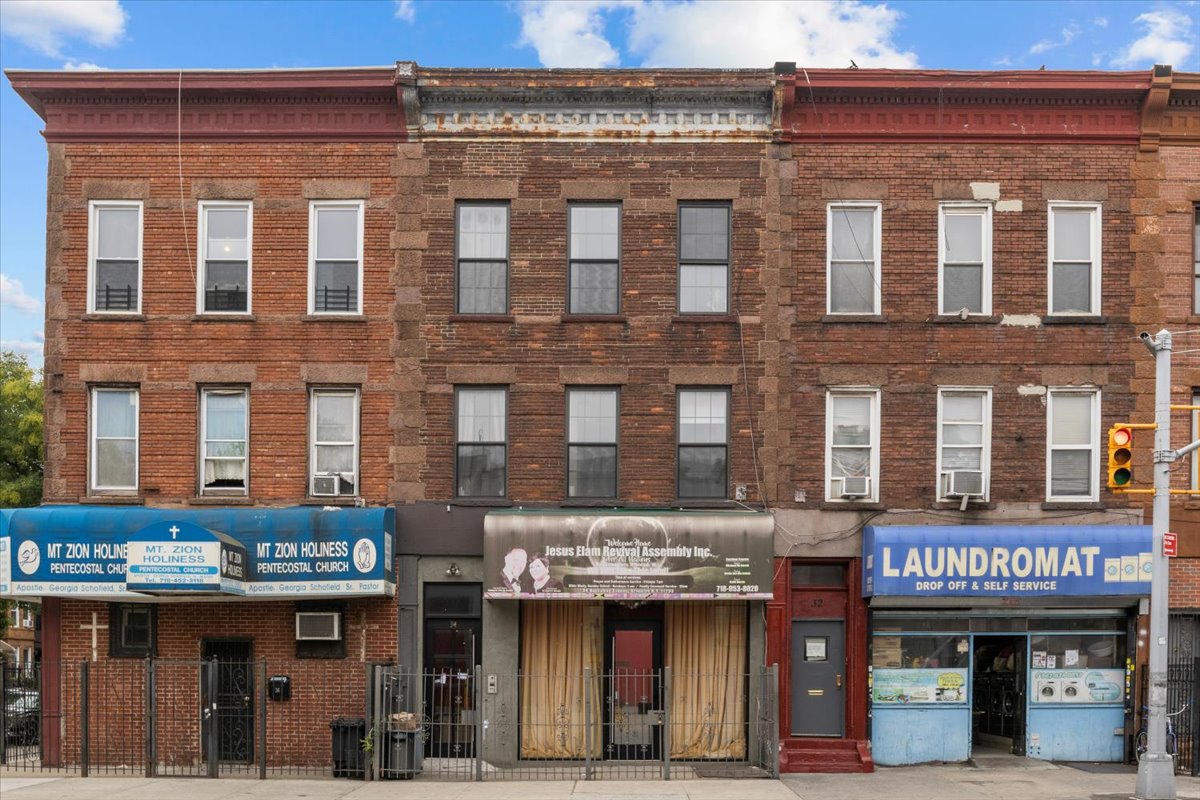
point(676, 369)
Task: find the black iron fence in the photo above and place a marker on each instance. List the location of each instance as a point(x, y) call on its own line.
point(311, 717)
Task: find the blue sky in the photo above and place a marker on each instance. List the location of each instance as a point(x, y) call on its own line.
point(140, 34)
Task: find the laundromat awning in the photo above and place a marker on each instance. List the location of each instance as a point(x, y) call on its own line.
point(82, 551)
point(628, 554)
point(1006, 560)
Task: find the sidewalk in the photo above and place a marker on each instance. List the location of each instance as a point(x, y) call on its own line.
point(1032, 780)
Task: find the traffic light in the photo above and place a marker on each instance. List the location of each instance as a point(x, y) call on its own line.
point(1120, 456)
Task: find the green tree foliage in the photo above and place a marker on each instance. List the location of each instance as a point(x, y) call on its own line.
point(20, 441)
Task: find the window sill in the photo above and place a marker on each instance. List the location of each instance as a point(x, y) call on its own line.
point(115, 316)
point(482, 502)
point(1072, 505)
point(346, 502)
point(1074, 319)
point(699, 502)
point(971, 319)
point(1193, 319)
point(851, 505)
point(856, 319)
point(334, 318)
point(503, 318)
point(113, 500)
point(591, 502)
point(220, 500)
point(955, 505)
point(705, 319)
point(618, 318)
point(223, 318)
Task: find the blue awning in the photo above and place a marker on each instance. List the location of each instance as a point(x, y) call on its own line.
point(1006, 560)
point(296, 552)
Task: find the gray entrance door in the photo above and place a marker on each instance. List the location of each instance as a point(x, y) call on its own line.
point(818, 677)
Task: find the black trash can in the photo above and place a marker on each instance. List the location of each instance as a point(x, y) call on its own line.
point(349, 760)
point(401, 760)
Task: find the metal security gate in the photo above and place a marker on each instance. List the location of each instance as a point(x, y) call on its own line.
point(1183, 690)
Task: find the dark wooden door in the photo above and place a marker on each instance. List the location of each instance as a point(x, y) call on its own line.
point(233, 713)
point(451, 653)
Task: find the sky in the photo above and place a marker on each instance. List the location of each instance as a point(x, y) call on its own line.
point(166, 34)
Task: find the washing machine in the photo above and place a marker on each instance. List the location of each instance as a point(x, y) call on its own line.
point(1071, 690)
point(1048, 690)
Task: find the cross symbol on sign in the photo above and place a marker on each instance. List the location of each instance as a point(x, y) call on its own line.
point(174, 529)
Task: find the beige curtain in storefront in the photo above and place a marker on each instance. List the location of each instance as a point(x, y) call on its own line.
point(559, 639)
point(706, 651)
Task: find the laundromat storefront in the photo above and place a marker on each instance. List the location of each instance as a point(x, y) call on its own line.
point(1018, 638)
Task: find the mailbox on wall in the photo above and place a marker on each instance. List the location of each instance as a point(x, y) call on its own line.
point(279, 687)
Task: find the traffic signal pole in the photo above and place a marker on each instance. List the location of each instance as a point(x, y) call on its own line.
point(1156, 769)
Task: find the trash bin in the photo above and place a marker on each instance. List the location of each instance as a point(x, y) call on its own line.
point(349, 759)
point(401, 758)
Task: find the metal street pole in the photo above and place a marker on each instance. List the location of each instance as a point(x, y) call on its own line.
point(1156, 769)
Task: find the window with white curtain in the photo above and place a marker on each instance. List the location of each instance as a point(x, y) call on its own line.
point(336, 257)
point(964, 440)
point(224, 420)
point(334, 437)
point(115, 256)
point(854, 252)
point(595, 258)
point(482, 444)
point(1074, 238)
point(852, 442)
point(114, 442)
point(482, 230)
point(704, 256)
point(1073, 444)
point(225, 257)
point(965, 258)
point(703, 448)
point(592, 443)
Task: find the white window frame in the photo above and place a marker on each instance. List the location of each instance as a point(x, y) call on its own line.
point(313, 207)
point(94, 207)
point(877, 209)
point(137, 439)
point(312, 434)
point(202, 253)
point(985, 243)
point(1094, 448)
point(985, 458)
point(1097, 271)
point(226, 491)
point(852, 391)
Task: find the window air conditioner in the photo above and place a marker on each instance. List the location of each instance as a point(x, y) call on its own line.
point(326, 484)
point(856, 486)
point(322, 626)
point(964, 483)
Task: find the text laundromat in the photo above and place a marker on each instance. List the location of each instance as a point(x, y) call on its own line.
point(978, 562)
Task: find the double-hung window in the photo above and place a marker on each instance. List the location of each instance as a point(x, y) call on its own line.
point(482, 255)
point(224, 435)
point(335, 257)
point(964, 443)
point(854, 253)
point(482, 444)
point(1074, 238)
point(115, 260)
point(595, 259)
point(114, 445)
point(225, 230)
point(852, 444)
point(334, 441)
point(965, 258)
point(591, 442)
point(704, 256)
point(1073, 444)
point(703, 449)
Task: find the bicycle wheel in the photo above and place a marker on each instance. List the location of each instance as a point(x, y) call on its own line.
point(1171, 743)
point(1141, 743)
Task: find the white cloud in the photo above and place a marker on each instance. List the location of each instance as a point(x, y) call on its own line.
point(1002, 61)
point(1068, 35)
point(1100, 22)
point(13, 295)
point(46, 24)
point(715, 33)
point(568, 33)
point(406, 10)
point(1168, 39)
point(83, 66)
point(21, 346)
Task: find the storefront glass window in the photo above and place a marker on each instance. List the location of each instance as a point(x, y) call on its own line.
point(920, 652)
point(1077, 651)
point(921, 624)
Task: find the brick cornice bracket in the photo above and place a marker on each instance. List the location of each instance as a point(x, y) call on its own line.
point(1153, 107)
point(408, 98)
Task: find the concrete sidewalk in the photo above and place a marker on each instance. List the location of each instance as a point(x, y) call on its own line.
point(1032, 780)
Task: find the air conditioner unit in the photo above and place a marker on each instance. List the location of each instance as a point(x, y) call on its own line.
point(322, 626)
point(964, 483)
point(326, 484)
point(856, 486)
